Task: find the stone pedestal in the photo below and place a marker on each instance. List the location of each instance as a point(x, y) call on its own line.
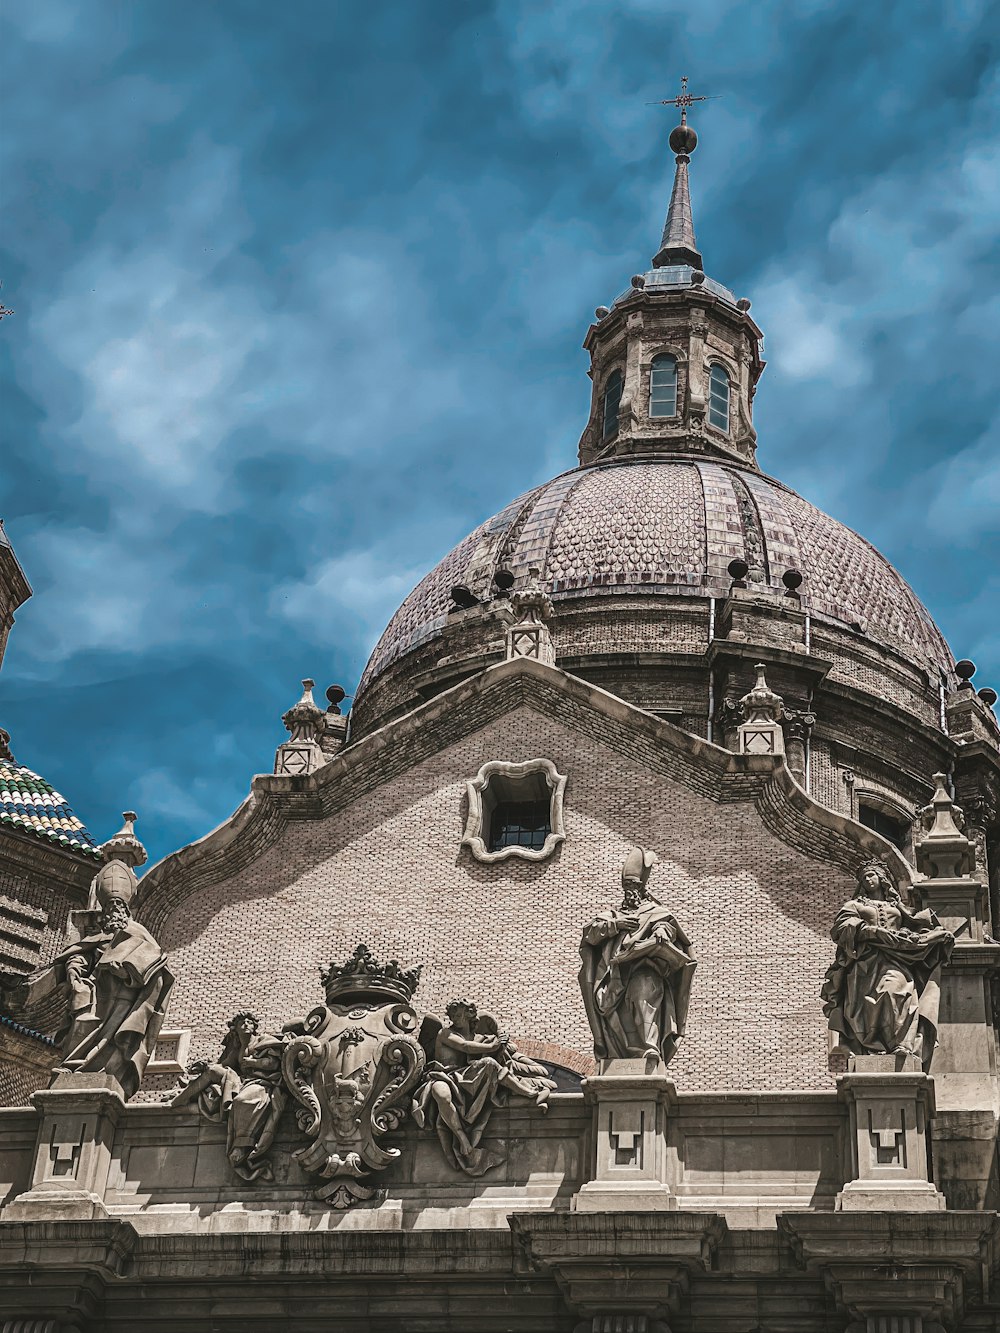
point(629, 1136)
point(78, 1116)
point(891, 1104)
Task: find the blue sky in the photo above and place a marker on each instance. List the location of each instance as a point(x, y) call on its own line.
point(300, 291)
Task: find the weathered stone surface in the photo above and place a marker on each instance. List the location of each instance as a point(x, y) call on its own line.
point(636, 974)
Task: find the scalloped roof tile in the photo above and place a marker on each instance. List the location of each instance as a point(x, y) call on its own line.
point(671, 525)
point(29, 804)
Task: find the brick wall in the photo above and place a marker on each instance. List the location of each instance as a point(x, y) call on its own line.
point(388, 870)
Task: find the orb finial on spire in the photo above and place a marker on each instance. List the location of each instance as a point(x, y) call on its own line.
point(678, 244)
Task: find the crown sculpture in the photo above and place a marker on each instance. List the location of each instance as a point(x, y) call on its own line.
point(362, 976)
point(354, 1069)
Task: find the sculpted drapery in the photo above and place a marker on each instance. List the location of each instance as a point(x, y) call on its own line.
point(636, 972)
point(474, 1067)
point(243, 1089)
point(882, 992)
point(113, 981)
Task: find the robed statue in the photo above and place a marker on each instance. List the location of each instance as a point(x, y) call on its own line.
point(111, 984)
point(883, 989)
point(243, 1089)
point(636, 972)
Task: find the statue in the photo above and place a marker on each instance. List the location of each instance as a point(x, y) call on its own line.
point(243, 1089)
point(353, 1070)
point(349, 1069)
point(636, 973)
point(113, 981)
point(472, 1068)
point(882, 991)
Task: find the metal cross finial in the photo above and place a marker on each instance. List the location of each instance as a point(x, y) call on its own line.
point(683, 100)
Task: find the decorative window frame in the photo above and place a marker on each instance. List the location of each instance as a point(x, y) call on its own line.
point(480, 808)
point(616, 369)
point(892, 809)
point(170, 1054)
point(647, 374)
point(733, 379)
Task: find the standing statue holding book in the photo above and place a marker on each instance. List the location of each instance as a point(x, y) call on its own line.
point(636, 973)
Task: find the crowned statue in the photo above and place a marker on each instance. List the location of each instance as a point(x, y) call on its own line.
point(882, 991)
point(111, 985)
point(636, 973)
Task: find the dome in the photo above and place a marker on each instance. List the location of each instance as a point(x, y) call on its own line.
point(669, 527)
point(29, 804)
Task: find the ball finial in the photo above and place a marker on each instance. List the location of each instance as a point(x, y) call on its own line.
point(683, 140)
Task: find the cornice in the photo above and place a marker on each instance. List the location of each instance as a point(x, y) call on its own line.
point(31, 854)
point(660, 746)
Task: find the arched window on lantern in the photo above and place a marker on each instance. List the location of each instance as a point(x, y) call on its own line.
point(612, 398)
point(663, 386)
point(718, 397)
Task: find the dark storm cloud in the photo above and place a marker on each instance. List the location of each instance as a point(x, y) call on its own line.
point(300, 291)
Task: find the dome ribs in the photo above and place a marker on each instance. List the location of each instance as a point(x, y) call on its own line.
point(532, 551)
point(723, 528)
point(662, 529)
point(780, 540)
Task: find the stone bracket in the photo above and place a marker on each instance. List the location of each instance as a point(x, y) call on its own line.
point(900, 1264)
point(618, 1266)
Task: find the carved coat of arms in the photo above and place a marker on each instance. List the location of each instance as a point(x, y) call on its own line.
point(352, 1071)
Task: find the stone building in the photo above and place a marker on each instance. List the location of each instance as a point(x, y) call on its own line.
point(529, 1012)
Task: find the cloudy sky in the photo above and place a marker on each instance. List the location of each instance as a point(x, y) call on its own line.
point(299, 295)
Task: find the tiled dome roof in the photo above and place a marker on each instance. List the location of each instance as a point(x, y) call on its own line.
point(671, 526)
point(28, 804)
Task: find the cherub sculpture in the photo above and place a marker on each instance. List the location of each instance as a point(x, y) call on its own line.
point(243, 1088)
point(472, 1067)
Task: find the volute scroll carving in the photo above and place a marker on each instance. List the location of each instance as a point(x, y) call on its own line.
point(353, 1070)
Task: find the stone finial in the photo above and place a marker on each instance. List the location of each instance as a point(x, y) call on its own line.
point(125, 846)
point(762, 710)
point(944, 852)
point(5, 746)
point(301, 753)
point(529, 635)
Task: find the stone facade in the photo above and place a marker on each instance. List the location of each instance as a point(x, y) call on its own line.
point(509, 1002)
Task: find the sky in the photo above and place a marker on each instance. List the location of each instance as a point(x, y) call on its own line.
point(299, 294)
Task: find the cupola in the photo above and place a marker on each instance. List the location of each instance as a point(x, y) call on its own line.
point(675, 360)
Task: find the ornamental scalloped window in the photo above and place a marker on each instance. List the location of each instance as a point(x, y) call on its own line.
point(663, 386)
point(515, 810)
point(612, 400)
point(718, 397)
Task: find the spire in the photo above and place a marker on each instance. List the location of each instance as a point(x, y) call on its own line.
point(678, 244)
